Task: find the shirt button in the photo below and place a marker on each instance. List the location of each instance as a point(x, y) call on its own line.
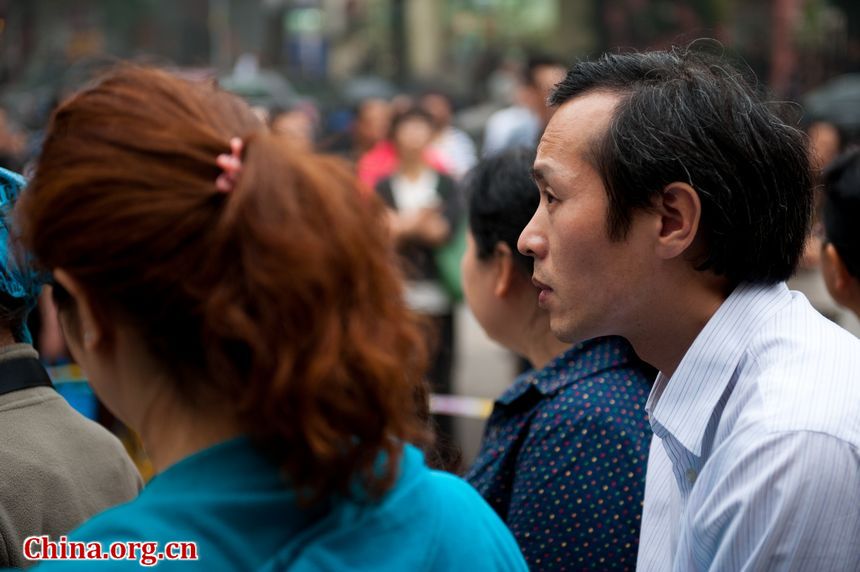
point(691, 475)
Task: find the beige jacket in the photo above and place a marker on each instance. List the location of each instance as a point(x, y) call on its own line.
point(57, 468)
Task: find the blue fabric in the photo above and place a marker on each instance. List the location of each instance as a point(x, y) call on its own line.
point(235, 505)
point(16, 280)
point(564, 456)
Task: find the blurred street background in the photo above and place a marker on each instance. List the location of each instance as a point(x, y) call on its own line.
point(335, 49)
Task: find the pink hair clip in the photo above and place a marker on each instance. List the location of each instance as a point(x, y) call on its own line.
point(231, 165)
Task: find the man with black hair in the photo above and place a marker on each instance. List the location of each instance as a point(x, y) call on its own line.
point(57, 468)
point(840, 252)
point(674, 205)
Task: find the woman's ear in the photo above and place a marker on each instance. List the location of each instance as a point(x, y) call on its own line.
point(86, 328)
point(503, 258)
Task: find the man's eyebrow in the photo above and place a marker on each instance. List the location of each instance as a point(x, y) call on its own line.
point(537, 175)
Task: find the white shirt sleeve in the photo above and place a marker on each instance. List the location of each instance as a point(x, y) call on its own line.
point(788, 501)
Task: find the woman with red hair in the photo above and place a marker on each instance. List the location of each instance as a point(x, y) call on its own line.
point(234, 300)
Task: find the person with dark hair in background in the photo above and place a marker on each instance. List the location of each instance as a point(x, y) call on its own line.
point(57, 468)
point(382, 160)
point(455, 148)
point(543, 464)
point(840, 248)
point(425, 209)
point(232, 299)
point(372, 120)
point(674, 205)
point(521, 124)
point(367, 123)
point(298, 122)
point(364, 144)
point(826, 141)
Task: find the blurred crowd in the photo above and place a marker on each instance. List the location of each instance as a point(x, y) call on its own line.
point(413, 148)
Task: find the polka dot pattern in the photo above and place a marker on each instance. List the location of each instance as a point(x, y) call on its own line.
point(564, 456)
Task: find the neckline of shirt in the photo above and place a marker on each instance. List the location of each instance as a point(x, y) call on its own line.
point(683, 404)
point(574, 365)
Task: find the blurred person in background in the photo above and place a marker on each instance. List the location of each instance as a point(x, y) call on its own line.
point(826, 141)
point(401, 103)
point(521, 124)
point(368, 125)
point(565, 450)
point(840, 254)
point(453, 145)
point(200, 263)
point(13, 144)
point(373, 154)
point(299, 123)
point(382, 160)
point(57, 468)
point(425, 209)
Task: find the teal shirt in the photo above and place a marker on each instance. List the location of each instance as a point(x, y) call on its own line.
point(234, 504)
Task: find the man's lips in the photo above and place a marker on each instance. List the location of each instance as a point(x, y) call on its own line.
point(540, 285)
point(544, 292)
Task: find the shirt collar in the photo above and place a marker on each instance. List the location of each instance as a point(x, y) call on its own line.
point(576, 363)
point(17, 351)
point(684, 404)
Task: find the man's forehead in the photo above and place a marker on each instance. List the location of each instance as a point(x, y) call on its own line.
point(576, 126)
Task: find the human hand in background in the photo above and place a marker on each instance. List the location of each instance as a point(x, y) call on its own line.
point(425, 225)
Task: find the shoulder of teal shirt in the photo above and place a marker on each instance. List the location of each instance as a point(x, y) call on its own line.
point(234, 504)
point(429, 521)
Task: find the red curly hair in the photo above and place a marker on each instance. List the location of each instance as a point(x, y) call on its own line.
point(281, 294)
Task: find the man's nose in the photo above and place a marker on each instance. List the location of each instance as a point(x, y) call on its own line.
point(532, 241)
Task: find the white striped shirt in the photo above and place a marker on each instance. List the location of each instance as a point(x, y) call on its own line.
point(755, 460)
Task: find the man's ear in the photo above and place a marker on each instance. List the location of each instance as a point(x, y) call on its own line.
point(87, 327)
point(680, 212)
point(503, 259)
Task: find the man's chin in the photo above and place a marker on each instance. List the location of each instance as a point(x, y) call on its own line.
point(563, 331)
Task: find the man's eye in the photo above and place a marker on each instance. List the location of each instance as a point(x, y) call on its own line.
point(548, 197)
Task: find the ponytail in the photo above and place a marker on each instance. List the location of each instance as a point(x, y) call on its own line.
point(281, 294)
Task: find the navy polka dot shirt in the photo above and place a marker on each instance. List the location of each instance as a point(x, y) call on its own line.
point(564, 456)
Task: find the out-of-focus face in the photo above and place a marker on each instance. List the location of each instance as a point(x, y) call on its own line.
point(545, 80)
point(823, 144)
point(372, 122)
point(296, 125)
point(590, 284)
point(438, 107)
point(412, 135)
